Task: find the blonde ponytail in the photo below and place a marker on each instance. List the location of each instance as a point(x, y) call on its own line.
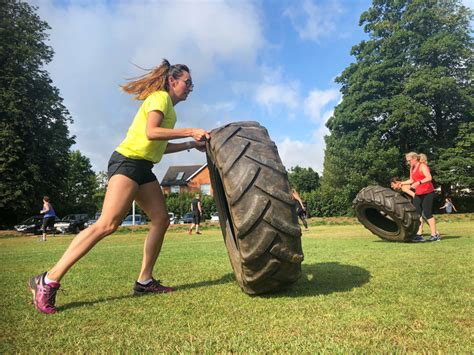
point(423, 158)
point(155, 80)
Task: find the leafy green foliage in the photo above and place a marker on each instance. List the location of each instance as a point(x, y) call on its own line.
point(34, 136)
point(303, 179)
point(455, 166)
point(81, 184)
point(101, 187)
point(410, 89)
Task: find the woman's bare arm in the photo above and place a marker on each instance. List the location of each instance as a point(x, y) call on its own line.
point(155, 132)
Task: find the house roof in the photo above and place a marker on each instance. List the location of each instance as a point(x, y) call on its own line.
point(173, 172)
point(196, 172)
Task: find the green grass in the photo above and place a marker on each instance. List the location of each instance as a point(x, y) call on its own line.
point(357, 293)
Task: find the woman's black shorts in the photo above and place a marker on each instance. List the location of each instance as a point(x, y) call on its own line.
point(48, 222)
point(196, 218)
point(139, 170)
point(424, 205)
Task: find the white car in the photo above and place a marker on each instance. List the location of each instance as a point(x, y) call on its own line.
point(172, 217)
point(215, 217)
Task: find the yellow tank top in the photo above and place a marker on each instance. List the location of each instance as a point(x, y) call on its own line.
point(136, 145)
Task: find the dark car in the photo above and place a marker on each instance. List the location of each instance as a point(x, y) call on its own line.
point(91, 221)
point(139, 219)
point(187, 218)
point(32, 225)
point(72, 223)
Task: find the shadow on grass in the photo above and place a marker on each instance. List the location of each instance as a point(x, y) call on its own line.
point(324, 279)
point(443, 237)
point(224, 279)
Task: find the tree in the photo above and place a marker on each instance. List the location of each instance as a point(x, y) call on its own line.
point(34, 136)
point(410, 89)
point(101, 181)
point(81, 186)
point(303, 179)
point(455, 166)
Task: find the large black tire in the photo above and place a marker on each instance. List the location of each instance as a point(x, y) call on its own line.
point(256, 209)
point(386, 213)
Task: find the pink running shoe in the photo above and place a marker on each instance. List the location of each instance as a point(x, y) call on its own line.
point(44, 295)
point(153, 287)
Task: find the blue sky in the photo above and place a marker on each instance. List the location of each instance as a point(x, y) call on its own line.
point(269, 61)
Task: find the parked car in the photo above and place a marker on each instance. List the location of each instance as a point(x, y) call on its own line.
point(72, 223)
point(32, 225)
point(172, 218)
point(91, 221)
point(215, 217)
point(128, 221)
point(187, 218)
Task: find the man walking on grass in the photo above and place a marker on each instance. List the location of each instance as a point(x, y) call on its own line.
point(197, 212)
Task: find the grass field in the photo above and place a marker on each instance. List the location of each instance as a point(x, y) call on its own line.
point(357, 294)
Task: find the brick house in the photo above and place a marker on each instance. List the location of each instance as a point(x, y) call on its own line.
point(187, 178)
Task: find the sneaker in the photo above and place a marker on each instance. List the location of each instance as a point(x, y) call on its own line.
point(198, 233)
point(417, 238)
point(153, 287)
point(44, 295)
point(434, 238)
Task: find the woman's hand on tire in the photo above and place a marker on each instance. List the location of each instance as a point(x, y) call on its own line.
point(199, 135)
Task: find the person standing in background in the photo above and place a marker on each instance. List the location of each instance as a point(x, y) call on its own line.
point(300, 209)
point(197, 213)
point(49, 216)
point(448, 204)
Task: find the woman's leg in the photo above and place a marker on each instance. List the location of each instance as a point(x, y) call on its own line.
point(420, 228)
point(121, 191)
point(150, 199)
point(427, 206)
point(45, 224)
point(302, 216)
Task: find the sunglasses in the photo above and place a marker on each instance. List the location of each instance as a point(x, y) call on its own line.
point(189, 83)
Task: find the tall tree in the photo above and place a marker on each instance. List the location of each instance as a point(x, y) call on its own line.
point(455, 166)
point(81, 186)
point(303, 179)
point(34, 135)
point(409, 90)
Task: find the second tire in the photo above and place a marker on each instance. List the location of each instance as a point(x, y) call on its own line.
point(386, 213)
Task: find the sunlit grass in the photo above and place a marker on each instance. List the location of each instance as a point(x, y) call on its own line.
point(357, 293)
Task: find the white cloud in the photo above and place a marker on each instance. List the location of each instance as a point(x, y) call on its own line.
point(269, 95)
point(96, 42)
point(314, 22)
point(316, 104)
point(469, 3)
point(302, 153)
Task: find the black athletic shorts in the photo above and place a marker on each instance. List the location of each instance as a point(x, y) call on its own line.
point(48, 222)
point(139, 170)
point(424, 205)
point(196, 218)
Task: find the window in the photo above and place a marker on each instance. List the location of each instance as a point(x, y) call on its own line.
point(180, 175)
point(206, 189)
point(174, 189)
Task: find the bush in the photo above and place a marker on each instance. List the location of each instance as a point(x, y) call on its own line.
point(324, 203)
